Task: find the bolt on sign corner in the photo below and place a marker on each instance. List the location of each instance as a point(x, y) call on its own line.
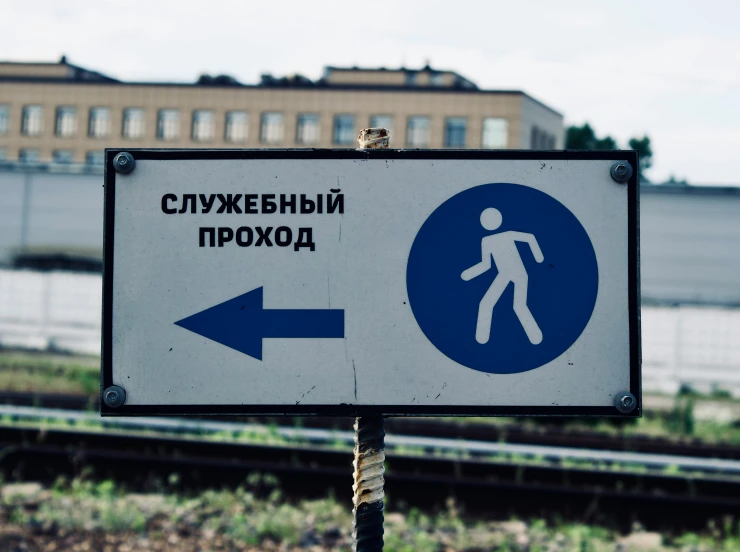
point(345, 282)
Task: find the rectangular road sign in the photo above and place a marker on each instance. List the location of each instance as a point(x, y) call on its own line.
point(346, 282)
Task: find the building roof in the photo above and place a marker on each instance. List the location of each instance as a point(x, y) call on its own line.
point(63, 72)
point(455, 81)
point(55, 71)
point(427, 67)
point(690, 189)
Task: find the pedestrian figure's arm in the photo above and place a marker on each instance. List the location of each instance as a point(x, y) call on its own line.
point(480, 268)
point(532, 241)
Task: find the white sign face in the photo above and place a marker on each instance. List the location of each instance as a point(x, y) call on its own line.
point(344, 282)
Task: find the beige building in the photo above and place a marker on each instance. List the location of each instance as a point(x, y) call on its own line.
point(58, 112)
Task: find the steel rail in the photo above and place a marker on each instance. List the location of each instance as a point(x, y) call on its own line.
point(507, 487)
point(426, 444)
point(548, 435)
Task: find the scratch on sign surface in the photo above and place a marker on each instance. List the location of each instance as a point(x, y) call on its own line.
point(304, 394)
point(354, 371)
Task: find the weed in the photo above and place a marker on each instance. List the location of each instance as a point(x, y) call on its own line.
point(680, 420)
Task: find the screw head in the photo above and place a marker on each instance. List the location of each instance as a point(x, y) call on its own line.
point(625, 402)
point(114, 396)
point(124, 162)
point(621, 171)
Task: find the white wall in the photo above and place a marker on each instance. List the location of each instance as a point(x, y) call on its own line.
point(536, 114)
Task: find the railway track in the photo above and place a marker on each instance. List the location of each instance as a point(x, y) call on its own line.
point(546, 435)
point(658, 499)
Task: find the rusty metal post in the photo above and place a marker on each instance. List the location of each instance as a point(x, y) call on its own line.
point(374, 138)
point(367, 525)
point(369, 460)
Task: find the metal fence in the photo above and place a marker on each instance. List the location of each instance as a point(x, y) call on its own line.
point(688, 234)
point(689, 256)
point(50, 310)
point(53, 209)
point(693, 347)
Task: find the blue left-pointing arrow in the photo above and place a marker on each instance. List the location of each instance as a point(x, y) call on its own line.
point(241, 323)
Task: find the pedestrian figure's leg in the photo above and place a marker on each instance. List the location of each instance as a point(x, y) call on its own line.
point(524, 314)
point(485, 309)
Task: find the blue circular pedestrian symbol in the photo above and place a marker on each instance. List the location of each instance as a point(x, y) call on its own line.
point(502, 278)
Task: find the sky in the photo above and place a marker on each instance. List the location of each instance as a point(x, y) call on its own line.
point(666, 68)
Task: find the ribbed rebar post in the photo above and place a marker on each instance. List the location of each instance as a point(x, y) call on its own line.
point(369, 461)
point(374, 138)
point(368, 484)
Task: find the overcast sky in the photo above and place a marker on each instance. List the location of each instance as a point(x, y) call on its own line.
point(668, 68)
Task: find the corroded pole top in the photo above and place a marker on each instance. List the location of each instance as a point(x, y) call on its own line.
point(374, 138)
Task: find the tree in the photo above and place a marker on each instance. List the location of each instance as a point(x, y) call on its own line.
point(676, 182)
point(642, 146)
point(606, 143)
point(584, 138)
point(579, 138)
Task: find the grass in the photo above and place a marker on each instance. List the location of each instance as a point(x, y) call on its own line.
point(36, 372)
point(48, 373)
point(11, 357)
point(677, 424)
point(239, 514)
point(246, 516)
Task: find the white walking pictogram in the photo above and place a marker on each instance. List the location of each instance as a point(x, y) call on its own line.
point(502, 247)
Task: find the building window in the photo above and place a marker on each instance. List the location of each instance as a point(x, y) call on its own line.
point(203, 125)
point(66, 122)
point(495, 133)
point(437, 79)
point(95, 158)
point(417, 132)
point(99, 123)
point(455, 128)
point(4, 119)
point(271, 128)
point(544, 140)
point(344, 129)
point(28, 155)
point(32, 123)
point(307, 130)
point(410, 78)
point(2, 155)
point(133, 123)
point(539, 139)
point(237, 127)
point(62, 156)
point(534, 138)
point(381, 121)
point(168, 124)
